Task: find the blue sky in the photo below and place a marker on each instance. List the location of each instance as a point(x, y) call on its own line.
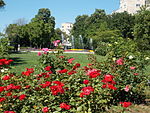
point(62, 10)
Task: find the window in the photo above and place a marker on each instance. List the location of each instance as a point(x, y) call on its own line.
point(137, 5)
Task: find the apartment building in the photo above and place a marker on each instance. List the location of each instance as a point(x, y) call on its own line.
point(131, 6)
point(66, 27)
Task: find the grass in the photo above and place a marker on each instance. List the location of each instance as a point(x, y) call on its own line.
point(23, 60)
point(29, 60)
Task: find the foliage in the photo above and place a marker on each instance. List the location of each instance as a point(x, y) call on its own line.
point(61, 85)
point(127, 65)
point(41, 28)
point(2, 3)
point(102, 48)
point(123, 22)
point(4, 47)
point(141, 29)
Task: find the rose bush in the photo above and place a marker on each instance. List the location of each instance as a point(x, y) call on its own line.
point(59, 84)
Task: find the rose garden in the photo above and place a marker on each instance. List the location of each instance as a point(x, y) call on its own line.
point(38, 76)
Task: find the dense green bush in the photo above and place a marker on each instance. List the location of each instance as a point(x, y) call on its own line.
point(4, 47)
point(102, 49)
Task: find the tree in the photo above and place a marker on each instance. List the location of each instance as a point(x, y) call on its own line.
point(42, 28)
point(123, 22)
point(142, 29)
point(2, 3)
point(79, 26)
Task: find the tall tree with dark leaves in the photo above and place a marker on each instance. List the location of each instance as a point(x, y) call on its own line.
point(42, 28)
point(2, 3)
point(142, 29)
point(123, 22)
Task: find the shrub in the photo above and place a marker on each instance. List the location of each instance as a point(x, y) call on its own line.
point(102, 49)
point(61, 85)
point(4, 48)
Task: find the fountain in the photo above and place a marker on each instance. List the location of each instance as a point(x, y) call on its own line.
point(91, 43)
point(62, 37)
point(81, 41)
point(72, 39)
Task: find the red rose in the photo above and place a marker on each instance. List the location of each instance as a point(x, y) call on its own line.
point(71, 72)
point(2, 99)
point(65, 106)
point(27, 86)
point(45, 109)
point(85, 81)
point(63, 71)
point(9, 94)
point(48, 68)
point(93, 73)
point(21, 97)
point(56, 89)
point(86, 91)
point(104, 86)
point(16, 87)
point(108, 78)
point(9, 112)
point(58, 83)
point(47, 83)
point(6, 77)
point(7, 62)
point(30, 70)
point(126, 104)
point(1, 88)
point(110, 86)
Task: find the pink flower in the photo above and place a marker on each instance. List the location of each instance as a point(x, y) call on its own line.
point(70, 60)
point(126, 88)
point(120, 61)
point(136, 73)
point(132, 68)
point(45, 110)
point(39, 53)
point(56, 42)
point(45, 49)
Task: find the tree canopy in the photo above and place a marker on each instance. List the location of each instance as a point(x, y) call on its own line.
point(2, 3)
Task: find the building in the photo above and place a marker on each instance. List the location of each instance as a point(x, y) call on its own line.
point(131, 6)
point(66, 27)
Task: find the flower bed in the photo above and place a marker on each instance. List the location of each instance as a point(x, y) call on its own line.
point(59, 84)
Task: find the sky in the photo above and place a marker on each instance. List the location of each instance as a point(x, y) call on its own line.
point(62, 10)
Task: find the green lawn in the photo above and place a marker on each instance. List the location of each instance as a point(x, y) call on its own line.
point(29, 60)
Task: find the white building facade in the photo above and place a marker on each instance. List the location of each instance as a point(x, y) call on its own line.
point(66, 27)
point(131, 6)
